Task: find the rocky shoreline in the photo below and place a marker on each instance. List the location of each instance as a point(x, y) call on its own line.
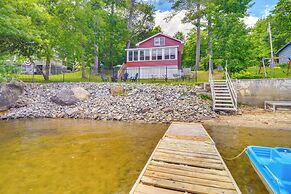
point(111, 101)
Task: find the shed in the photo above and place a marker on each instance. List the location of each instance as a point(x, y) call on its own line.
point(284, 53)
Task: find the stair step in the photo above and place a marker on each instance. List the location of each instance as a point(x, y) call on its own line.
point(220, 86)
point(221, 97)
point(219, 80)
point(223, 105)
point(226, 101)
point(223, 94)
point(225, 90)
point(231, 109)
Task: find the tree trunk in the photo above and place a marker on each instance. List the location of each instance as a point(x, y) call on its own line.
point(96, 63)
point(198, 42)
point(210, 50)
point(83, 67)
point(111, 37)
point(129, 22)
point(47, 69)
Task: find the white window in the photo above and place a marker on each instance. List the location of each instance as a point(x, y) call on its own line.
point(167, 53)
point(159, 41)
point(135, 55)
point(141, 55)
point(130, 57)
point(147, 55)
point(173, 53)
point(159, 54)
point(154, 54)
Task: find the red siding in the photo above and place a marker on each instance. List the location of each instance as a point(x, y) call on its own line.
point(150, 44)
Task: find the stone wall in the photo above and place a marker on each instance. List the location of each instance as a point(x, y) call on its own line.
point(256, 91)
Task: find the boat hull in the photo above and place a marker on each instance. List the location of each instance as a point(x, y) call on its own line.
point(273, 165)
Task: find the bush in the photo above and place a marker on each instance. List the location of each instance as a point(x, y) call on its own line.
point(7, 70)
point(246, 75)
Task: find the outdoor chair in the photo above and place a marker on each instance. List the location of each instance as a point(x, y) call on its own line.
point(114, 77)
point(103, 77)
point(125, 77)
point(134, 79)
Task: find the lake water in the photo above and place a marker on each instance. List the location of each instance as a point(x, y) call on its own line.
point(73, 156)
point(83, 156)
point(230, 141)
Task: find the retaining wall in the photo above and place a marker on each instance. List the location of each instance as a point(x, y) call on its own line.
point(256, 91)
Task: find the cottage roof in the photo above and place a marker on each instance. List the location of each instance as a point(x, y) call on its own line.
point(158, 35)
point(286, 45)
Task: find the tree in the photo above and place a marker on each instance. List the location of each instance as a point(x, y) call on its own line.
point(189, 49)
point(180, 36)
point(281, 23)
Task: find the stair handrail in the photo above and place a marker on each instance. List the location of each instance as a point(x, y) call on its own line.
point(211, 82)
point(231, 88)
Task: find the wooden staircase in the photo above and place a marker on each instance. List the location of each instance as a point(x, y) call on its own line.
point(121, 71)
point(224, 95)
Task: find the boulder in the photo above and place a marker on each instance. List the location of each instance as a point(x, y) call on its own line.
point(81, 93)
point(65, 97)
point(10, 93)
point(117, 90)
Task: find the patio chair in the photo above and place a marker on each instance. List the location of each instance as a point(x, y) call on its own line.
point(103, 77)
point(125, 77)
point(134, 79)
point(114, 77)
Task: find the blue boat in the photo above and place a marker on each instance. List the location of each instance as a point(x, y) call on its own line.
point(273, 166)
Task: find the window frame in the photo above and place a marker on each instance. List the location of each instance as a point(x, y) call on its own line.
point(157, 41)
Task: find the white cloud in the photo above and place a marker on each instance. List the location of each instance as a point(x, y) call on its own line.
point(267, 10)
point(174, 25)
point(250, 21)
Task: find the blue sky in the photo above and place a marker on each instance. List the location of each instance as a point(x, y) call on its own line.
point(260, 9)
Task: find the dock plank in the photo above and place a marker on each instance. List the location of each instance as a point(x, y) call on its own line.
point(185, 161)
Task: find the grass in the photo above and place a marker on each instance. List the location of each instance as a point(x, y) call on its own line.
point(276, 72)
point(77, 77)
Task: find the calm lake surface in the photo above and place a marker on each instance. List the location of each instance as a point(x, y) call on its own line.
point(83, 156)
point(73, 156)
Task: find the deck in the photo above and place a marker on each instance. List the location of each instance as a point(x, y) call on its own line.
point(273, 104)
point(185, 161)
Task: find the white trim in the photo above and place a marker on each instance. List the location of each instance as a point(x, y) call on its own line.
point(162, 47)
point(157, 35)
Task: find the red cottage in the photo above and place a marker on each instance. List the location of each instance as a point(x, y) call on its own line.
point(158, 56)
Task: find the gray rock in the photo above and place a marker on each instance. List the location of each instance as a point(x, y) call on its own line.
point(80, 93)
point(65, 97)
point(10, 93)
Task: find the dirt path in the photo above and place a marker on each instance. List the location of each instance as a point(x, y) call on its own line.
point(255, 118)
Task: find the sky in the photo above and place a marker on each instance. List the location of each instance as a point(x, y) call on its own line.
point(260, 9)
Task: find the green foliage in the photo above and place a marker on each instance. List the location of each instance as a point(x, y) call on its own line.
point(180, 36)
point(246, 75)
point(188, 56)
point(7, 70)
point(72, 30)
point(204, 97)
point(281, 24)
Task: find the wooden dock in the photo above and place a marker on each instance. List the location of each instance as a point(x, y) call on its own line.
point(185, 161)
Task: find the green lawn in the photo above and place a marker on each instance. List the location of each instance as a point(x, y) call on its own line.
point(76, 77)
point(253, 72)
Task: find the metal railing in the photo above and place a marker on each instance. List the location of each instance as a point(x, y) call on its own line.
point(231, 88)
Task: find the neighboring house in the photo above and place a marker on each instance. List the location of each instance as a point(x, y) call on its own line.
point(158, 56)
point(55, 67)
point(284, 53)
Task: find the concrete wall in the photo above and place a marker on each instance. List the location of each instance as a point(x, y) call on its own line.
point(256, 91)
